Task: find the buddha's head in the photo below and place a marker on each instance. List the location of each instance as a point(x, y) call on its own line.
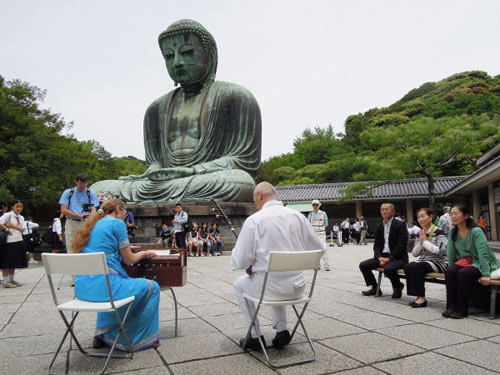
point(190, 53)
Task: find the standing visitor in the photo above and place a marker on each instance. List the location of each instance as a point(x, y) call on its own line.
point(346, 226)
point(180, 219)
point(445, 220)
point(319, 221)
point(364, 230)
point(470, 259)
point(77, 204)
point(29, 226)
point(57, 237)
point(14, 254)
point(338, 230)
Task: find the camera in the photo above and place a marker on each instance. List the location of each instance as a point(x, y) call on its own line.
point(87, 207)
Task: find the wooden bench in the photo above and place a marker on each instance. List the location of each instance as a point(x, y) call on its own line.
point(438, 278)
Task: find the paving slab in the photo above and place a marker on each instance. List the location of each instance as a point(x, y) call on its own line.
point(201, 346)
point(240, 364)
point(472, 327)
point(371, 347)
point(425, 336)
point(480, 353)
point(430, 363)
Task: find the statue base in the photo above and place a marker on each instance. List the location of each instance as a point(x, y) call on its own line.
point(150, 216)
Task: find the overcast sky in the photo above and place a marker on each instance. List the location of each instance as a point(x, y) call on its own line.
point(308, 63)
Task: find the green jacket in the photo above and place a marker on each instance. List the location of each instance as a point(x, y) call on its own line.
point(482, 256)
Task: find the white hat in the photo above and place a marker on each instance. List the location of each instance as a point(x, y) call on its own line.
point(315, 201)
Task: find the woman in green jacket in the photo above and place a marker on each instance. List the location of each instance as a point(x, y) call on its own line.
point(470, 259)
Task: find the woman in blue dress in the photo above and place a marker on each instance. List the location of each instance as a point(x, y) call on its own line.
point(106, 232)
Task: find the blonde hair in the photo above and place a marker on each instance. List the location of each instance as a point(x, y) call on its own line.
point(83, 234)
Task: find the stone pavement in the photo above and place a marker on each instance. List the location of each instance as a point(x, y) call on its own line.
point(353, 334)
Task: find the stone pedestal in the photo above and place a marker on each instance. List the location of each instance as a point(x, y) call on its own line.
point(150, 216)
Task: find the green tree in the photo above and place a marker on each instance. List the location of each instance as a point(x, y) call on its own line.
point(423, 147)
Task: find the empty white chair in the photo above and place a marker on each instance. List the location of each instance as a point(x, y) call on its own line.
point(85, 264)
point(284, 262)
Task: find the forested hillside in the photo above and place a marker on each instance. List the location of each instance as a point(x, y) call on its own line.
point(438, 129)
point(37, 161)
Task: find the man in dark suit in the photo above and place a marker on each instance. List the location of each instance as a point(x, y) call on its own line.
point(391, 239)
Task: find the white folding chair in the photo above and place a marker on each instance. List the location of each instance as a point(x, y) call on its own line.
point(85, 264)
point(283, 262)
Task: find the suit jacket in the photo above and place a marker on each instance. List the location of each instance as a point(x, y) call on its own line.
point(398, 241)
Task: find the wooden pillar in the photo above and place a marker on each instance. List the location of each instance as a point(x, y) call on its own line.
point(476, 204)
point(359, 209)
point(493, 213)
point(409, 212)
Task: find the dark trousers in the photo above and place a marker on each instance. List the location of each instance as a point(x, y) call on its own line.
point(415, 278)
point(459, 287)
point(180, 239)
point(390, 271)
point(345, 236)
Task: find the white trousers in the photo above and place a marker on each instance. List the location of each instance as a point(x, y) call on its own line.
point(324, 257)
point(278, 288)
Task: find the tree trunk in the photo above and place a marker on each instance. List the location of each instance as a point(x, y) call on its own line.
point(432, 193)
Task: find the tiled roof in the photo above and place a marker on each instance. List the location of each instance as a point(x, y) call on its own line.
point(481, 168)
point(416, 187)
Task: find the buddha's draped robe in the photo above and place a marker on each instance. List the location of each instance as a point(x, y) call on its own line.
point(225, 158)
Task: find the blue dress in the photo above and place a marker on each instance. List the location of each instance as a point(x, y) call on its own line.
point(142, 325)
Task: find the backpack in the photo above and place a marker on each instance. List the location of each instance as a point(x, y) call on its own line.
point(35, 239)
point(188, 226)
point(47, 236)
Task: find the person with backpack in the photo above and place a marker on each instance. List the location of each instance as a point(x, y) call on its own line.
point(30, 230)
point(180, 219)
point(77, 204)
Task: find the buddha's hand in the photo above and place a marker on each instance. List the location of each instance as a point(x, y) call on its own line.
point(153, 168)
point(167, 174)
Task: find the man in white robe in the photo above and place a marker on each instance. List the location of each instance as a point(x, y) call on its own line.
point(273, 228)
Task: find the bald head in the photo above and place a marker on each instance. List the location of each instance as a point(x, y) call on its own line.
point(263, 192)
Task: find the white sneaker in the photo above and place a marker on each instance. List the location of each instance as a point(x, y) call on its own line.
point(9, 285)
point(32, 261)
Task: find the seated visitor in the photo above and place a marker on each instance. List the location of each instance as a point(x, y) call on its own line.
point(193, 240)
point(389, 252)
point(204, 240)
point(470, 259)
point(106, 232)
point(217, 242)
point(430, 248)
point(165, 236)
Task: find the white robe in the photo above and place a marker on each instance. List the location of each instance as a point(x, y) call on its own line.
point(274, 228)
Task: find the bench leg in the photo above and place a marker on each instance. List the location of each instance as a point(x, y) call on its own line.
point(379, 281)
point(493, 300)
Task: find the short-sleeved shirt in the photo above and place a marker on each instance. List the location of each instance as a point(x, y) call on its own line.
point(109, 235)
point(129, 217)
point(78, 199)
point(165, 233)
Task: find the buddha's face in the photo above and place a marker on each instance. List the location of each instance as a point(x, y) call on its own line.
point(186, 59)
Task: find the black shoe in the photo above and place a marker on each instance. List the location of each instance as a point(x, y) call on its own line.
point(252, 344)
point(416, 305)
point(457, 315)
point(372, 291)
point(447, 313)
point(281, 339)
point(398, 292)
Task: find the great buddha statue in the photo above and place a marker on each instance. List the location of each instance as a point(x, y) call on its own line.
point(203, 139)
